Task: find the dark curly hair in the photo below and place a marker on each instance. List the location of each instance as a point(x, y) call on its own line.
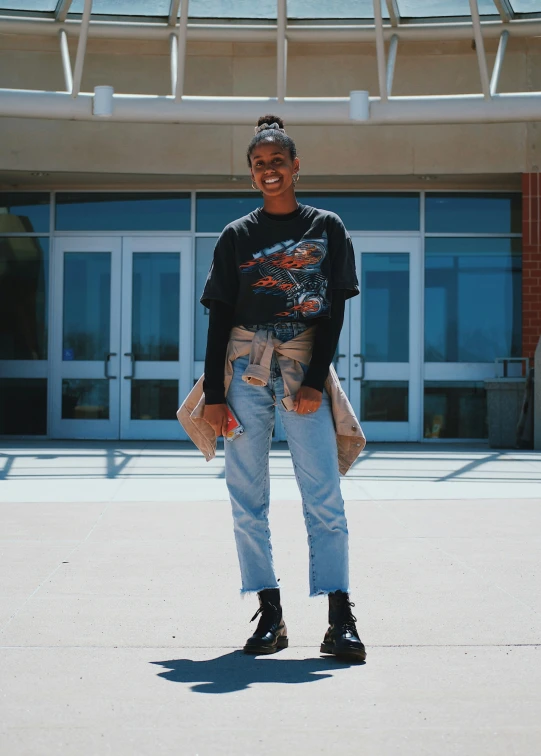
point(276, 134)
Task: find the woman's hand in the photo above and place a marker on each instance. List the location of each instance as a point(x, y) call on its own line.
point(307, 400)
point(216, 415)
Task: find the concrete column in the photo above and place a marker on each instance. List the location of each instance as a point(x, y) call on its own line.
point(537, 399)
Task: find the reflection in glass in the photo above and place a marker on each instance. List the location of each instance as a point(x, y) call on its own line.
point(473, 300)
point(385, 307)
point(154, 399)
point(474, 213)
point(155, 306)
point(24, 287)
point(85, 399)
point(456, 410)
point(122, 211)
point(23, 406)
point(215, 210)
point(384, 211)
point(204, 248)
point(24, 212)
point(384, 401)
point(87, 305)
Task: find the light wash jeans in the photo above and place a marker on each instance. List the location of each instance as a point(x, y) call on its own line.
point(312, 443)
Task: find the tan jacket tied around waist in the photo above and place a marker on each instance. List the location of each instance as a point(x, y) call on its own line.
point(291, 355)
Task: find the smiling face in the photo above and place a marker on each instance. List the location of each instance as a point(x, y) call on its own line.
point(272, 168)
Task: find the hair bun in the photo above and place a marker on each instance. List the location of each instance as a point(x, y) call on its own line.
point(270, 122)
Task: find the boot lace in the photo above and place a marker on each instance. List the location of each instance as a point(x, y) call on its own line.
point(349, 618)
point(267, 617)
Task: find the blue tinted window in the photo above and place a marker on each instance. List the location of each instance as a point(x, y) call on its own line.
point(385, 307)
point(455, 410)
point(473, 213)
point(24, 212)
point(122, 211)
point(215, 211)
point(473, 299)
point(369, 212)
point(24, 290)
point(23, 406)
point(443, 8)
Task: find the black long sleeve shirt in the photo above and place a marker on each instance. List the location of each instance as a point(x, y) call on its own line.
point(220, 324)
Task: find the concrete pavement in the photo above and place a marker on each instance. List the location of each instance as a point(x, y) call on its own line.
point(121, 619)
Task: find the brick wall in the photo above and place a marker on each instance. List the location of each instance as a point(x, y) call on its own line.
point(531, 262)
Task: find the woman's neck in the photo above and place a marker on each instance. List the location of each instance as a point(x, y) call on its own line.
point(281, 205)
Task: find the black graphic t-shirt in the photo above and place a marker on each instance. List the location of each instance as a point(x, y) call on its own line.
point(282, 268)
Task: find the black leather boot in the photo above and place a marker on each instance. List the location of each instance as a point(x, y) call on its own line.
point(342, 638)
point(271, 633)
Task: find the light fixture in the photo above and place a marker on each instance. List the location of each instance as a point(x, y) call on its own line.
point(103, 101)
point(359, 105)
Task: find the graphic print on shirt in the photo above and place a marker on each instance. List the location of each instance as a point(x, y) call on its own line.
point(292, 270)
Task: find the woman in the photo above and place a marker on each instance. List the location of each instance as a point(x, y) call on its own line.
point(280, 277)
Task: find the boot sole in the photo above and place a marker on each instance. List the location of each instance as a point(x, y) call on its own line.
point(280, 644)
point(351, 655)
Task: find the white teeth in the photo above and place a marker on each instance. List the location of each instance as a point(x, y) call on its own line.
point(271, 181)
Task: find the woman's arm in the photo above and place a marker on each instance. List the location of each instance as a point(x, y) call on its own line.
point(220, 324)
point(325, 343)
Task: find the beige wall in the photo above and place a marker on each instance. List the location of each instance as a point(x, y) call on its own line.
point(356, 151)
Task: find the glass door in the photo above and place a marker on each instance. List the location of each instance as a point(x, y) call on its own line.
point(382, 346)
point(156, 335)
point(85, 353)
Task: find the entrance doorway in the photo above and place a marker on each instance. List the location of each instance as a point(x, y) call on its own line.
point(380, 351)
point(121, 337)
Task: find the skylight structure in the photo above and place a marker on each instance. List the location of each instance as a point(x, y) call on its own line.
point(389, 24)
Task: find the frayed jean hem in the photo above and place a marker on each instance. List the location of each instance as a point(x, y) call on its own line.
point(246, 591)
point(326, 591)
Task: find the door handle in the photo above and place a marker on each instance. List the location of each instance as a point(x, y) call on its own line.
point(132, 359)
point(361, 359)
point(106, 365)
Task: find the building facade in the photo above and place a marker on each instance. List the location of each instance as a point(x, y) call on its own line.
point(107, 226)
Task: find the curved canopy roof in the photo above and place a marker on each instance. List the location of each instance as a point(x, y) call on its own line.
point(398, 11)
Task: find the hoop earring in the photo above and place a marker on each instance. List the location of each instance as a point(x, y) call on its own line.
point(296, 178)
point(254, 187)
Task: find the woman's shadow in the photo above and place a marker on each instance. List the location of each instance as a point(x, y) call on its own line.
point(237, 671)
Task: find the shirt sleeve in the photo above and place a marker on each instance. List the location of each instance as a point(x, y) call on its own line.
point(220, 323)
point(342, 256)
point(325, 342)
point(222, 282)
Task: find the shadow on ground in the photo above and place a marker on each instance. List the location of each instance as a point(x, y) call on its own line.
point(238, 671)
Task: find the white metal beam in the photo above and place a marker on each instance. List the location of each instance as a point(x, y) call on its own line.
point(66, 62)
point(173, 12)
point(181, 50)
point(498, 63)
point(173, 60)
point(281, 49)
point(380, 50)
point(505, 9)
point(81, 49)
point(394, 12)
point(502, 108)
point(61, 10)
point(391, 61)
point(267, 32)
point(480, 48)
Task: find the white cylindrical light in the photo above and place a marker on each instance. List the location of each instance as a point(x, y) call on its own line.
point(359, 105)
point(103, 101)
